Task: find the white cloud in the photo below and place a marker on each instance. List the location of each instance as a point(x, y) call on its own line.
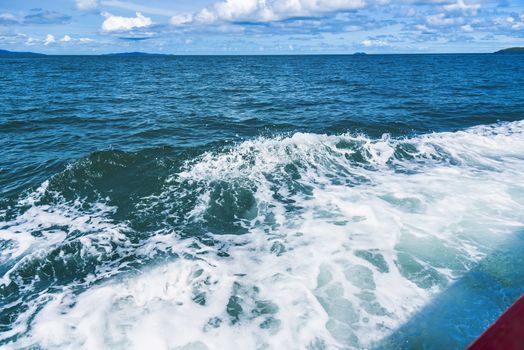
point(515, 21)
point(11, 38)
point(8, 17)
point(206, 16)
point(66, 39)
point(441, 20)
point(374, 43)
point(352, 28)
point(467, 28)
point(49, 39)
point(423, 28)
point(120, 24)
point(462, 7)
point(86, 4)
point(178, 20)
point(270, 10)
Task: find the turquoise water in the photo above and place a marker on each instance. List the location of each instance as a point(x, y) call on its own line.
point(321, 202)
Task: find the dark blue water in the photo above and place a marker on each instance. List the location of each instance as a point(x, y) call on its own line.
point(316, 201)
point(57, 109)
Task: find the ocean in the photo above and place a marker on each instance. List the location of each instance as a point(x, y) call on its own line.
point(259, 202)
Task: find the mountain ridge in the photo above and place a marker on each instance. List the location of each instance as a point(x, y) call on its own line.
point(511, 50)
point(20, 54)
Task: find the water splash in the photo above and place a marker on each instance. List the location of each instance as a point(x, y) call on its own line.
point(307, 241)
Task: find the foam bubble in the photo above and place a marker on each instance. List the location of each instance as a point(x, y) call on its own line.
point(329, 242)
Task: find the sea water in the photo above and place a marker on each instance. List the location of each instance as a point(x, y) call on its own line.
point(259, 202)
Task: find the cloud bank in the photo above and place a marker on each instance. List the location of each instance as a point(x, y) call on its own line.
point(269, 25)
point(122, 24)
point(269, 10)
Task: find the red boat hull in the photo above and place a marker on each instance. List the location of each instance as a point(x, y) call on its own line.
point(507, 333)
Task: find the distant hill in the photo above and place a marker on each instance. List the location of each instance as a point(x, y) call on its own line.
point(512, 50)
point(5, 53)
point(134, 54)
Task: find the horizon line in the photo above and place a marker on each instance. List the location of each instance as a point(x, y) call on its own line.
point(145, 54)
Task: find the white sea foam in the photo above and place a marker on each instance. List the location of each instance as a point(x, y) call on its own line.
point(347, 238)
point(43, 229)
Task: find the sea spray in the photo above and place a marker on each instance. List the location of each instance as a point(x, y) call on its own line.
point(306, 241)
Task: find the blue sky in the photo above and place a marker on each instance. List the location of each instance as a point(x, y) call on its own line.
point(260, 26)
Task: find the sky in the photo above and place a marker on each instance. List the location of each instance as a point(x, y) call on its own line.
point(260, 26)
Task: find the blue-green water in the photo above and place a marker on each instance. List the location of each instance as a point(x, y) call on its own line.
point(321, 202)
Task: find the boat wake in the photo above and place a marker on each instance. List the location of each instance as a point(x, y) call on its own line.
point(306, 241)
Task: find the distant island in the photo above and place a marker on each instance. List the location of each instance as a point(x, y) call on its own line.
point(4, 53)
point(512, 50)
point(135, 54)
point(7, 53)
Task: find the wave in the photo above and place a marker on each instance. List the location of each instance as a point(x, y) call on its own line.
point(306, 241)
